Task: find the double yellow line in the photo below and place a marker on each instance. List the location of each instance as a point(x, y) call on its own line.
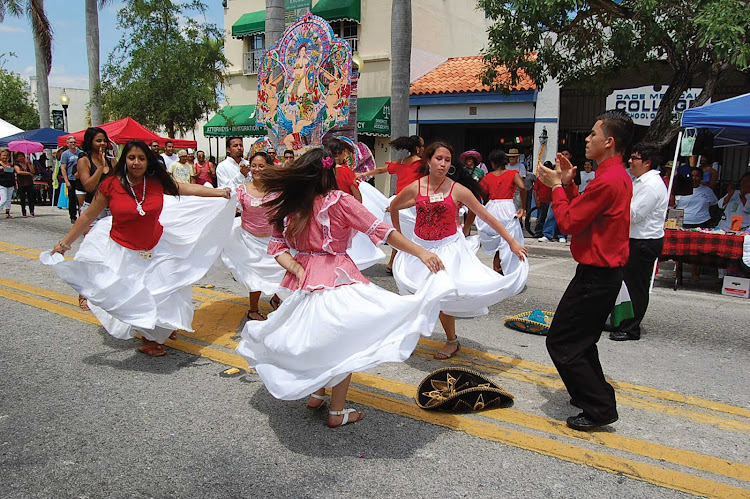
point(220, 314)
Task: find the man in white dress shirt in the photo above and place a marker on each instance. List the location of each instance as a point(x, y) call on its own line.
point(648, 209)
point(233, 171)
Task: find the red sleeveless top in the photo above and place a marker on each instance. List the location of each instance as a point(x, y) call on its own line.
point(499, 186)
point(435, 219)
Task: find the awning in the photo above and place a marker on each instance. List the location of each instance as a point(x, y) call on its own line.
point(250, 24)
point(338, 10)
point(234, 120)
point(374, 116)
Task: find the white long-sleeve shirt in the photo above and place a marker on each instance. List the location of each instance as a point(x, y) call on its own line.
point(648, 206)
point(228, 174)
point(734, 207)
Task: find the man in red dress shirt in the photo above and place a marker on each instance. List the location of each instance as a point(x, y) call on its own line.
point(599, 221)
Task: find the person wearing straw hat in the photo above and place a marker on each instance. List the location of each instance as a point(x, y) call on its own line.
point(514, 164)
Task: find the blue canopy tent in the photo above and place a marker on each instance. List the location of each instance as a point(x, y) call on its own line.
point(46, 136)
point(728, 120)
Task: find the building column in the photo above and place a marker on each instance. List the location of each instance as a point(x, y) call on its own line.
point(547, 116)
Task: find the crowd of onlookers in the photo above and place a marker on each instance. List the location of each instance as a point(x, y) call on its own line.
point(28, 178)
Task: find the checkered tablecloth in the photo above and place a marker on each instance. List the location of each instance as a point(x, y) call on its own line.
point(692, 243)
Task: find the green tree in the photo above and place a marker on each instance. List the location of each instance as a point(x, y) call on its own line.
point(15, 100)
point(587, 42)
point(42, 30)
point(167, 70)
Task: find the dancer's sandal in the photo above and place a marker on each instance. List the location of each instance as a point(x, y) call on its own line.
point(83, 303)
point(155, 350)
point(322, 405)
point(259, 316)
point(346, 419)
point(275, 302)
point(173, 336)
point(443, 355)
point(389, 271)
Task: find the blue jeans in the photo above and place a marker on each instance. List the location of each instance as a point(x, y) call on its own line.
point(551, 230)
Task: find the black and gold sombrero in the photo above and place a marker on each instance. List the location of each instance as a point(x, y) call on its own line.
point(458, 389)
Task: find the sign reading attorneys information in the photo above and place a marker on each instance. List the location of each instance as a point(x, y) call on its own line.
point(641, 103)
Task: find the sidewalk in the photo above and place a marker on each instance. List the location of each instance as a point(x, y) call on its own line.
point(552, 248)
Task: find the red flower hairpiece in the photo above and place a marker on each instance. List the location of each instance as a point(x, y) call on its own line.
point(327, 162)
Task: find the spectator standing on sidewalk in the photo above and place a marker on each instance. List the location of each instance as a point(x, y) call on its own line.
point(25, 171)
point(233, 171)
point(648, 209)
point(68, 166)
point(599, 220)
point(7, 181)
point(542, 199)
point(169, 156)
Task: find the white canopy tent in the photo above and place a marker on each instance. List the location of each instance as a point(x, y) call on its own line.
point(7, 129)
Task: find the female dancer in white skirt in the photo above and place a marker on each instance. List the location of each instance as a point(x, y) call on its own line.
point(246, 253)
point(364, 253)
point(499, 187)
point(335, 322)
point(437, 200)
point(137, 267)
point(407, 170)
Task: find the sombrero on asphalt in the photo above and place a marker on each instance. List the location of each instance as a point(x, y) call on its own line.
point(458, 389)
point(535, 322)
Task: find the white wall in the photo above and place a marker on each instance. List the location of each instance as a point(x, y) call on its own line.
point(78, 113)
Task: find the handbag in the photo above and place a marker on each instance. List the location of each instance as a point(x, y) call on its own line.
point(458, 389)
point(688, 141)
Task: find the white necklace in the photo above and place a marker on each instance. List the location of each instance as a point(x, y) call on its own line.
point(138, 204)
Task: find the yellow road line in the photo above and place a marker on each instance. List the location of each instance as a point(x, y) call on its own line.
point(622, 386)
point(606, 462)
point(53, 295)
point(55, 308)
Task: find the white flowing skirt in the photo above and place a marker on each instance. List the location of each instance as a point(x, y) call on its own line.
point(130, 294)
point(246, 256)
point(505, 212)
point(477, 286)
point(315, 340)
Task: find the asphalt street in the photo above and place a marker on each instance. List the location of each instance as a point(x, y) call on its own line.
point(83, 414)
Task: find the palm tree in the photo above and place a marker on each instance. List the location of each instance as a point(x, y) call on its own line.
point(400, 68)
point(42, 30)
point(92, 54)
point(274, 21)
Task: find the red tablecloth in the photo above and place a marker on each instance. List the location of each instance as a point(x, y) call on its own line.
point(693, 243)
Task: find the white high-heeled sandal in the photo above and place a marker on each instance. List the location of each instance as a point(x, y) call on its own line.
point(318, 397)
point(345, 413)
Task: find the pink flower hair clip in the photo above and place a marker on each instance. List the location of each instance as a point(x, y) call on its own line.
point(327, 162)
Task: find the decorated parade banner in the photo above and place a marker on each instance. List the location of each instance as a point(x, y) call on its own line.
point(304, 85)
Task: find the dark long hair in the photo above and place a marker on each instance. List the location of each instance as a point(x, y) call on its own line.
point(262, 154)
point(298, 185)
point(88, 138)
point(406, 144)
point(155, 168)
point(460, 173)
point(336, 145)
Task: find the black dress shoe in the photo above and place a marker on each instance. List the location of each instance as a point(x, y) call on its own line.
point(609, 327)
point(623, 336)
point(583, 423)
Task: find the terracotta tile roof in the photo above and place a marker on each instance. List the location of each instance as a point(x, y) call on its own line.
point(461, 74)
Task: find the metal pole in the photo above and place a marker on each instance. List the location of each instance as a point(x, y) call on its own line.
point(669, 190)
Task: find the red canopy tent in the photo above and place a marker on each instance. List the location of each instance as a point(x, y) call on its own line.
point(126, 129)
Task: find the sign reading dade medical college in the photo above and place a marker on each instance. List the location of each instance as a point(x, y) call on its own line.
point(642, 103)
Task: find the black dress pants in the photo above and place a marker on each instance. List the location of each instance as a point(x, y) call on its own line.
point(637, 275)
point(27, 195)
point(72, 202)
point(575, 330)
